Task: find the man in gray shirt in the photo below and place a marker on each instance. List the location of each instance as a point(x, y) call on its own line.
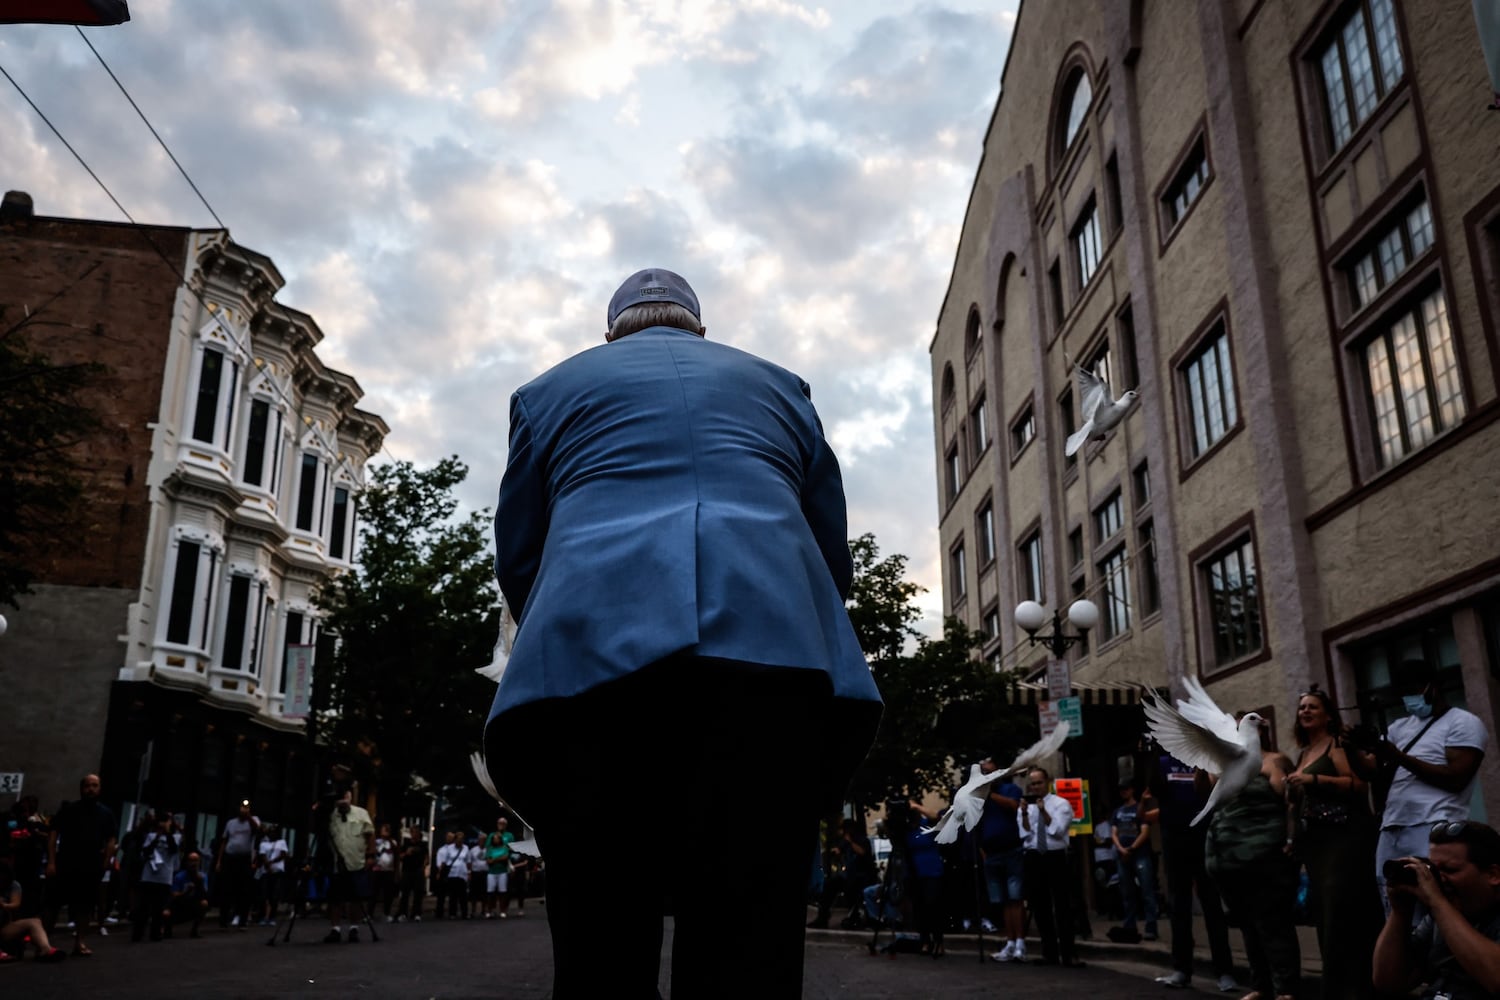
point(232, 868)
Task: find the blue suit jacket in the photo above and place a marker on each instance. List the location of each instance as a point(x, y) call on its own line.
point(664, 495)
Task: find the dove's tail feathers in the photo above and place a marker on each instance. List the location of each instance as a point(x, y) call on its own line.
point(493, 671)
point(1210, 805)
point(947, 831)
point(1077, 438)
point(482, 772)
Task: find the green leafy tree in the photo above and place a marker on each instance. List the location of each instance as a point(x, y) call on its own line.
point(43, 418)
point(413, 620)
point(943, 705)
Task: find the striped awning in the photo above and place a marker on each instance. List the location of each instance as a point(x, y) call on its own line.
point(1096, 693)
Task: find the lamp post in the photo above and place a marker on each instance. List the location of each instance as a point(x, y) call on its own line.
point(1083, 615)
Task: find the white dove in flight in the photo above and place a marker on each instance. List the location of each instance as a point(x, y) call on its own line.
point(968, 801)
point(1100, 413)
point(1201, 734)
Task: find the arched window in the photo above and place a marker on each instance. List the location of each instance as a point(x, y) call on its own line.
point(1079, 95)
point(947, 386)
point(973, 338)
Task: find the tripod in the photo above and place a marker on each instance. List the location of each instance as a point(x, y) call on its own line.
point(305, 873)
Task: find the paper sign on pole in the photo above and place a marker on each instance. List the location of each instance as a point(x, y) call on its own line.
point(299, 682)
point(1059, 679)
point(1047, 717)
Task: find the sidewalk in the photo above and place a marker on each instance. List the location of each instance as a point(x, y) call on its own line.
point(1153, 957)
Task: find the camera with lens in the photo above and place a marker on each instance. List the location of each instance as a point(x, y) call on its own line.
point(1363, 737)
point(1396, 872)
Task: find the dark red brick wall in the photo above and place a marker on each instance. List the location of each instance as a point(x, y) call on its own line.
point(119, 315)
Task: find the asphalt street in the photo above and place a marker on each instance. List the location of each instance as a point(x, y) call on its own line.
point(507, 959)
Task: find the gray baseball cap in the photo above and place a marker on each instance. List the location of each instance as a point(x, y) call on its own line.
point(655, 284)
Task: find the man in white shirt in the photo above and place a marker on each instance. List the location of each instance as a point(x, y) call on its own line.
point(1045, 822)
point(1436, 750)
point(453, 863)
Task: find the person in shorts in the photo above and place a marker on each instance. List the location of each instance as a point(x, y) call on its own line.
point(352, 837)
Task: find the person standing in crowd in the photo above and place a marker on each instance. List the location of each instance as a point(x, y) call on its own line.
point(1178, 793)
point(160, 848)
point(440, 875)
point(925, 874)
point(521, 867)
point(1131, 836)
point(1336, 840)
point(856, 872)
point(384, 870)
point(497, 854)
point(1250, 841)
point(26, 832)
point(672, 534)
point(270, 864)
point(1004, 862)
point(234, 868)
point(80, 846)
point(16, 930)
point(1046, 824)
point(453, 862)
point(353, 840)
point(189, 894)
point(1429, 758)
point(413, 877)
point(481, 904)
point(1454, 947)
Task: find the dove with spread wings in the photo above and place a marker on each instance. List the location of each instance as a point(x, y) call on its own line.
point(1201, 734)
point(1100, 413)
point(968, 801)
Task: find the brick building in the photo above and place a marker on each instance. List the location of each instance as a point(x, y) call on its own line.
point(160, 644)
point(1280, 221)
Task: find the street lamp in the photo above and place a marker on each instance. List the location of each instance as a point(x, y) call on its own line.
point(1083, 615)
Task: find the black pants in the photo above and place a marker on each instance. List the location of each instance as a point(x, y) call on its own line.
point(458, 897)
point(1182, 851)
point(1049, 893)
point(744, 738)
point(238, 888)
point(153, 904)
point(410, 904)
point(1263, 897)
point(927, 909)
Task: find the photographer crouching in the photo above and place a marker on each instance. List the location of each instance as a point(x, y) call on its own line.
point(1455, 946)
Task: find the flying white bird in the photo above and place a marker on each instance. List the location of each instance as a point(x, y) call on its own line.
point(968, 801)
point(495, 669)
point(1201, 734)
point(1100, 414)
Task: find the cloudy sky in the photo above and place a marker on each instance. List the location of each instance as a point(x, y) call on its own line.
point(453, 188)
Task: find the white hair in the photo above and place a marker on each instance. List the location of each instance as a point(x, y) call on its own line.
point(649, 314)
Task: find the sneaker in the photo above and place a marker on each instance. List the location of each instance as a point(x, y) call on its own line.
point(400, 918)
point(1006, 954)
point(988, 927)
point(1020, 953)
point(417, 919)
point(390, 919)
point(235, 922)
point(333, 937)
point(103, 931)
point(111, 919)
point(1227, 984)
point(354, 935)
point(504, 916)
point(968, 923)
point(1176, 981)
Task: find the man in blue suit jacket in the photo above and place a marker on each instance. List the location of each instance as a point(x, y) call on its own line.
point(671, 538)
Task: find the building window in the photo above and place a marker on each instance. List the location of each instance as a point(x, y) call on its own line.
point(1112, 192)
point(1069, 425)
point(184, 583)
point(1087, 246)
point(1054, 284)
point(1360, 64)
point(255, 442)
point(973, 339)
point(234, 624)
point(1185, 187)
point(1430, 641)
point(1022, 431)
point(958, 568)
point(953, 473)
point(1140, 479)
point(1098, 363)
point(1146, 556)
point(1209, 377)
point(984, 526)
point(991, 624)
point(1396, 249)
point(980, 426)
point(948, 393)
point(210, 379)
point(1109, 517)
point(1234, 617)
point(1080, 95)
point(1130, 368)
point(1075, 546)
point(1032, 585)
point(1412, 379)
point(343, 511)
point(293, 638)
point(1114, 584)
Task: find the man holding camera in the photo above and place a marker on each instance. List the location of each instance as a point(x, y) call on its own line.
point(1046, 824)
point(1431, 756)
point(351, 833)
point(1455, 947)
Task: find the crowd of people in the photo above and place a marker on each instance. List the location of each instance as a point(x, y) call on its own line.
point(157, 881)
point(1362, 834)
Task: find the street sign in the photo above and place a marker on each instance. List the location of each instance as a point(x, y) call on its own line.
point(298, 682)
point(1070, 710)
point(1047, 716)
point(1059, 679)
point(10, 782)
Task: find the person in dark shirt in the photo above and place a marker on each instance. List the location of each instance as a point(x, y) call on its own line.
point(80, 846)
point(1004, 862)
point(26, 833)
point(857, 873)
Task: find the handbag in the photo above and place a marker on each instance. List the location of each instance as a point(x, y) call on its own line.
point(1317, 813)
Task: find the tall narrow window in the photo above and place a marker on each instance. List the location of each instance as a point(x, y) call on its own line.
point(184, 582)
point(1115, 582)
point(1413, 381)
point(1360, 64)
point(984, 525)
point(953, 473)
point(1112, 189)
point(1407, 239)
point(1186, 185)
point(1032, 585)
point(307, 492)
point(1080, 95)
point(255, 442)
point(1087, 246)
point(340, 522)
point(979, 423)
point(1069, 425)
point(1146, 557)
point(1108, 518)
point(234, 624)
point(258, 630)
point(1230, 582)
point(1130, 363)
point(1209, 377)
point(293, 638)
point(958, 569)
point(210, 375)
point(1055, 285)
point(1022, 431)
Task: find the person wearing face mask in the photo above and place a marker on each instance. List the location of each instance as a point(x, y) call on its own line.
point(1434, 753)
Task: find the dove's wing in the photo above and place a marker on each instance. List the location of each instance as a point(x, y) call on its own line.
point(1234, 779)
point(1038, 751)
point(1188, 741)
point(1203, 711)
point(1093, 392)
point(968, 804)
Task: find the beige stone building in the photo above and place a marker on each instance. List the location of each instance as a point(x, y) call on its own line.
point(1280, 221)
